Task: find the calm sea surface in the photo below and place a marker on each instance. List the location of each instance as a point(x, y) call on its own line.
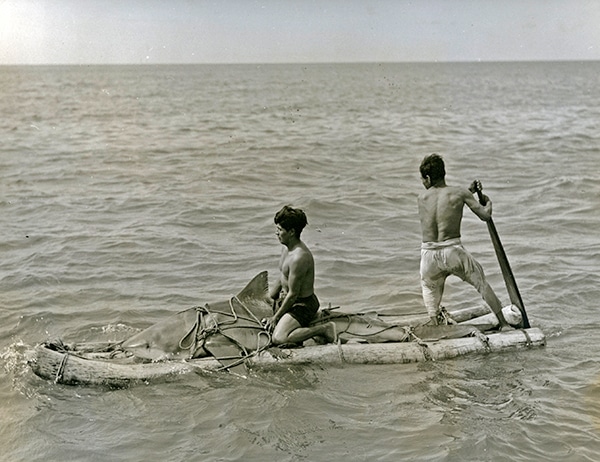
point(129, 193)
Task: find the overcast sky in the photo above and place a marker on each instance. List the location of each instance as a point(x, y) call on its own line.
point(254, 31)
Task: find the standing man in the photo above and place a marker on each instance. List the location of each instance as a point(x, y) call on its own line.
point(442, 254)
point(295, 303)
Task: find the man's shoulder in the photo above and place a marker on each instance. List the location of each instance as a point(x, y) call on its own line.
point(428, 194)
point(301, 252)
point(458, 191)
point(455, 188)
point(301, 260)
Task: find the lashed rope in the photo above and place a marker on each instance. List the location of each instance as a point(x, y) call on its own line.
point(350, 318)
point(61, 368)
point(206, 325)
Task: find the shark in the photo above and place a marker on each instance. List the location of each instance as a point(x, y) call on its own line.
point(227, 330)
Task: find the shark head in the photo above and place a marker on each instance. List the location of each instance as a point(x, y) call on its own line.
point(161, 341)
point(173, 338)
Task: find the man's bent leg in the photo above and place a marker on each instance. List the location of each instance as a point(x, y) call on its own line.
point(475, 276)
point(432, 296)
point(283, 329)
point(288, 330)
point(433, 280)
point(327, 330)
point(470, 270)
point(494, 303)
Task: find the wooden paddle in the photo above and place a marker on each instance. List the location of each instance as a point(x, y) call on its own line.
point(509, 278)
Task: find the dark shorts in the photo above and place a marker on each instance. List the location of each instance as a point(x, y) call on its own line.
point(305, 309)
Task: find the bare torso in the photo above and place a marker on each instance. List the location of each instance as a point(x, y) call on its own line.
point(441, 212)
point(302, 260)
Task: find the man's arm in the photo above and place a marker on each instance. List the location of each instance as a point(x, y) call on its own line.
point(297, 271)
point(275, 290)
point(295, 279)
point(484, 212)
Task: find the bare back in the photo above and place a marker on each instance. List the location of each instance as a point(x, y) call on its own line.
point(441, 212)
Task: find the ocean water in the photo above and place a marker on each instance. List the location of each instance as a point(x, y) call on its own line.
point(131, 192)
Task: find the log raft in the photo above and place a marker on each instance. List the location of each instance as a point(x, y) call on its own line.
point(74, 368)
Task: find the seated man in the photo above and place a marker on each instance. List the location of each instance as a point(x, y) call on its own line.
point(295, 304)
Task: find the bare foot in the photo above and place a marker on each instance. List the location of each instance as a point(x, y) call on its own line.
point(331, 332)
point(506, 328)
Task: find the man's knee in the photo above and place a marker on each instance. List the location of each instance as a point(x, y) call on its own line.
point(278, 339)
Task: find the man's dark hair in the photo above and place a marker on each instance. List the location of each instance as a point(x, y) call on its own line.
point(433, 167)
point(291, 218)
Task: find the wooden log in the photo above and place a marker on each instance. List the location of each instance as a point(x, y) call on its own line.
point(73, 370)
point(415, 320)
point(399, 353)
point(511, 314)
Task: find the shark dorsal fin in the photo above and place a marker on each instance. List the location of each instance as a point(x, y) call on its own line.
point(257, 288)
